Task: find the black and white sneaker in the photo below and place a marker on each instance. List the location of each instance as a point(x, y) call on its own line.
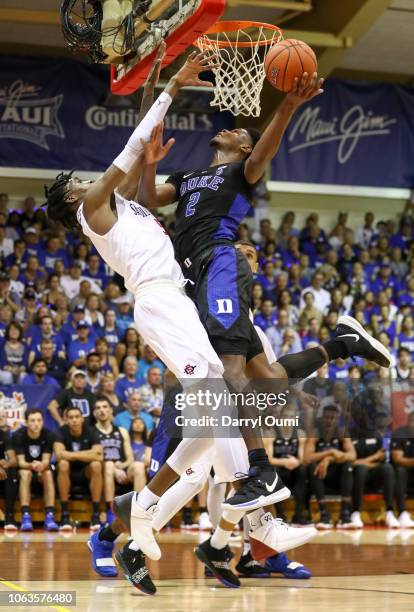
point(135, 570)
point(262, 488)
point(247, 567)
point(360, 343)
point(217, 561)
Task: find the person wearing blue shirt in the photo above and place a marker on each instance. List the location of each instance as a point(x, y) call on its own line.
point(52, 253)
point(124, 318)
point(130, 381)
point(267, 315)
point(150, 360)
point(39, 375)
point(79, 349)
point(45, 331)
point(134, 410)
point(19, 255)
point(110, 331)
point(69, 330)
point(95, 271)
point(385, 280)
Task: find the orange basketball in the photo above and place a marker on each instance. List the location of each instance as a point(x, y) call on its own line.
point(289, 59)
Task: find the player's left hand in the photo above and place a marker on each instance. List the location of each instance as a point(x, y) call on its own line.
point(154, 73)
point(306, 88)
point(154, 149)
point(196, 62)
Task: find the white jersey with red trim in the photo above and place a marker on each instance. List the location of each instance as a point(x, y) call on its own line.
point(137, 247)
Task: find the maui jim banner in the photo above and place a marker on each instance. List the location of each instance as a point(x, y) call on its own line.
point(353, 134)
point(53, 114)
point(16, 399)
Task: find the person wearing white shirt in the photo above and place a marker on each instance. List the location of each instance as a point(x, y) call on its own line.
point(321, 295)
point(364, 234)
point(70, 283)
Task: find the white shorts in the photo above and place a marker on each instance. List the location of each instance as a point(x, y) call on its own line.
point(229, 459)
point(168, 321)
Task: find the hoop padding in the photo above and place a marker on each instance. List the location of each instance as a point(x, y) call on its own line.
point(240, 75)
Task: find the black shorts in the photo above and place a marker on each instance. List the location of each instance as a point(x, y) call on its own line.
point(78, 476)
point(222, 294)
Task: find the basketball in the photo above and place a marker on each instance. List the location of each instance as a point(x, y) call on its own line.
point(287, 60)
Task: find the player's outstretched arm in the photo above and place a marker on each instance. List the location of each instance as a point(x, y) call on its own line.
point(99, 193)
point(268, 145)
point(154, 152)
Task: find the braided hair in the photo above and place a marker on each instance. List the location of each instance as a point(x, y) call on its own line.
point(57, 208)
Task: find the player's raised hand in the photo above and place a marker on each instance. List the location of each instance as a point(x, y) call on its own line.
point(196, 62)
point(154, 73)
point(154, 149)
point(306, 88)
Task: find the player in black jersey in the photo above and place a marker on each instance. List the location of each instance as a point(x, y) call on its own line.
point(33, 446)
point(8, 472)
point(330, 456)
point(212, 202)
point(402, 453)
point(79, 459)
point(119, 464)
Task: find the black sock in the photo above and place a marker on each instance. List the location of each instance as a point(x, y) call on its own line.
point(336, 349)
point(25, 509)
point(301, 365)
point(346, 505)
point(65, 507)
point(108, 506)
point(49, 509)
point(95, 507)
point(107, 534)
point(323, 506)
point(258, 457)
point(202, 509)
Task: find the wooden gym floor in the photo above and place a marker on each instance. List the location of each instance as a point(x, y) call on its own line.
point(364, 571)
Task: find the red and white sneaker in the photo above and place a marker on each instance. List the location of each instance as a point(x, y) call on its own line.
point(269, 536)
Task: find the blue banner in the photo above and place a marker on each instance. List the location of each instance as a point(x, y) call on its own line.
point(353, 134)
point(16, 399)
point(54, 114)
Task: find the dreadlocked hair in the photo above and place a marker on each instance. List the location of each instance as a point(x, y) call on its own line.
point(57, 208)
point(254, 135)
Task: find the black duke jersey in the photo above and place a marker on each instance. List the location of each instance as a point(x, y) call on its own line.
point(112, 444)
point(212, 202)
point(283, 447)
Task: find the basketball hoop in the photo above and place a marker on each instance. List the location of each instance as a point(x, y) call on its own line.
point(241, 48)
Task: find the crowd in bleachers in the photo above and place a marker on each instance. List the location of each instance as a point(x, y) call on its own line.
point(67, 321)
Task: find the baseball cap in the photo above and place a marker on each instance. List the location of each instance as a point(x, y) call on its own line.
point(79, 308)
point(30, 230)
point(82, 323)
point(77, 373)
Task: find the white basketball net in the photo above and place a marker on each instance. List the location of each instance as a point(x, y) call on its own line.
point(240, 76)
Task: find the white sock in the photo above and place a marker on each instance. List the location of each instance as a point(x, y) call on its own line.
point(220, 538)
point(246, 542)
point(145, 498)
point(233, 516)
point(215, 497)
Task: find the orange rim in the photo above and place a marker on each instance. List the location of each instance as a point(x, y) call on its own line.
point(234, 26)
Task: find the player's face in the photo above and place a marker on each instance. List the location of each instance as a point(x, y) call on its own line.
point(329, 420)
point(250, 254)
point(233, 140)
point(76, 190)
point(35, 423)
point(74, 420)
point(102, 412)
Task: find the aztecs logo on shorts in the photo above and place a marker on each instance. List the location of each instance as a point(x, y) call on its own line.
point(189, 369)
point(189, 471)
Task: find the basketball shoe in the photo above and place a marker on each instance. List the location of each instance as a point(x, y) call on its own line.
point(102, 561)
point(135, 570)
point(280, 564)
point(217, 561)
point(248, 567)
point(270, 535)
point(359, 342)
point(50, 522)
point(26, 522)
point(263, 488)
point(138, 522)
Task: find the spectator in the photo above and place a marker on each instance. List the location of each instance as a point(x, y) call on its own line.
point(52, 253)
point(6, 295)
point(322, 297)
point(6, 317)
point(152, 393)
point(77, 396)
point(139, 441)
point(330, 456)
point(93, 316)
point(275, 334)
point(45, 331)
point(79, 349)
point(8, 472)
point(84, 292)
point(56, 366)
point(95, 272)
point(33, 445)
point(119, 465)
point(309, 311)
point(69, 330)
point(401, 371)
point(125, 317)
point(402, 452)
point(93, 372)
point(12, 355)
point(108, 362)
point(79, 458)
point(267, 315)
point(130, 381)
point(129, 347)
point(39, 375)
point(6, 244)
point(364, 234)
point(110, 331)
point(134, 410)
point(32, 240)
point(107, 390)
point(149, 360)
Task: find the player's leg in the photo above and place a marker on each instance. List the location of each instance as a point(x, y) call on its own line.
point(346, 471)
point(109, 487)
point(49, 499)
point(63, 483)
point(137, 475)
point(10, 494)
point(25, 480)
point(93, 473)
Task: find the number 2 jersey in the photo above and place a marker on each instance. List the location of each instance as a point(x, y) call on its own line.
point(212, 202)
